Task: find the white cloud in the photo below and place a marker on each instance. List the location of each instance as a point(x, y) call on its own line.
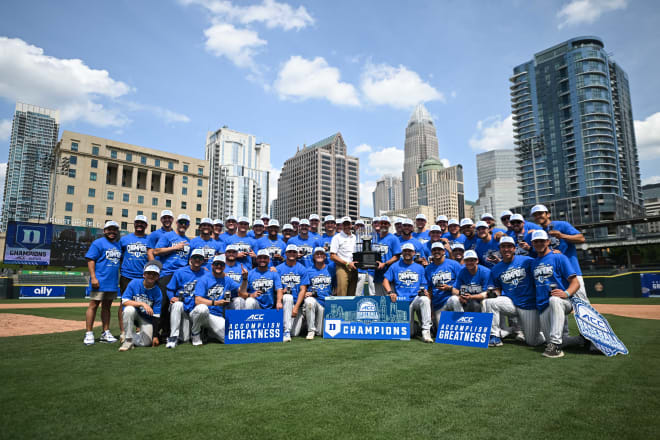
point(647, 134)
point(587, 11)
point(366, 198)
point(445, 163)
point(396, 86)
point(166, 115)
point(5, 130)
point(239, 45)
point(646, 181)
point(386, 161)
point(362, 148)
point(269, 12)
point(493, 134)
point(301, 79)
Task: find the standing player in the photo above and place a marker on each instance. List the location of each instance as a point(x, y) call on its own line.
point(103, 263)
point(263, 284)
point(443, 222)
point(389, 247)
point(166, 219)
point(295, 223)
point(244, 244)
point(230, 230)
point(513, 282)
point(435, 236)
point(457, 253)
point(273, 244)
point(421, 233)
point(330, 228)
point(293, 277)
point(342, 247)
point(410, 284)
point(142, 303)
point(398, 227)
point(486, 246)
point(287, 233)
point(217, 229)
point(468, 230)
point(205, 241)
point(320, 277)
point(421, 252)
point(257, 231)
point(490, 221)
point(441, 276)
point(520, 234)
point(234, 270)
point(472, 283)
point(314, 221)
point(266, 219)
point(305, 243)
point(453, 234)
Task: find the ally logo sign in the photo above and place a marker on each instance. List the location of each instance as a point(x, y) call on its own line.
point(43, 291)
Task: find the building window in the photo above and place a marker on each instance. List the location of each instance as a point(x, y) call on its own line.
point(113, 154)
point(199, 207)
point(140, 199)
point(90, 209)
point(154, 201)
point(184, 205)
point(199, 182)
point(157, 162)
point(143, 160)
point(124, 212)
point(89, 222)
point(129, 157)
point(185, 168)
point(154, 216)
point(140, 212)
point(67, 219)
point(92, 176)
point(95, 163)
point(124, 226)
point(73, 160)
point(72, 172)
point(168, 203)
point(199, 193)
point(111, 195)
point(108, 210)
point(153, 228)
point(95, 151)
point(68, 206)
point(200, 171)
point(125, 197)
point(70, 189)
point(74, 146)
point(170, 165)
point(91, 192)
point(185, 179)
point(184, 191)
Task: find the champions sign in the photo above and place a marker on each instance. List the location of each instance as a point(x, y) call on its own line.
point(366, 317)
point(464, 328)
point(253, 326)
point(28, 243)
point(594, 327)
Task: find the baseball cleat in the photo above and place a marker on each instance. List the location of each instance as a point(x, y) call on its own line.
point(310, 336)
point(553, 351)
point(107, 337)
point(426, 336)
point(122, 337)
point(89, 338)
point(196, 339)
point(171, 342)
point(127, 345)
point(495, 342)
point(287, 337)
point(520, 336)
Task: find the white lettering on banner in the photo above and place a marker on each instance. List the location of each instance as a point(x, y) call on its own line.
point(43, 291)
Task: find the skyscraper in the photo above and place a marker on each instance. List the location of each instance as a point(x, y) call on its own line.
point(421, 143)
point(388, 194)
point(439, 188)
point(573, 130)
point(497, 178)
point(27, 185)
point(320, 179)
point(240, 169)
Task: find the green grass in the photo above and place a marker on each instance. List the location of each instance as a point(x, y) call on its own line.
point(53, 386)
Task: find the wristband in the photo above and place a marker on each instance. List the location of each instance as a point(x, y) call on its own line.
point(568, 295)
point(212, 302)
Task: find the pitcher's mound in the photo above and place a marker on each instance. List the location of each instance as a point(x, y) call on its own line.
point(14, 324)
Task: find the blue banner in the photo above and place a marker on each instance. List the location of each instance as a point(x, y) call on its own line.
point(650, 284)
point(595, 328)
point(366, 317)
point(43, 291)
point(28, 243)
point(253, 326)
point(464, 328)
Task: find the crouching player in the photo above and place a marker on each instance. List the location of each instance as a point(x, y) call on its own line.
point(181, 292)
point(141, 301)
point(293, 276)
point(472, 283)
point(213, 293)
point(320, 286)
point(263, 285)
point(513, 283)
point(410, 284)
point(441, 276)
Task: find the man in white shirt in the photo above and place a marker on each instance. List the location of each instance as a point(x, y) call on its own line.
point(342, 247)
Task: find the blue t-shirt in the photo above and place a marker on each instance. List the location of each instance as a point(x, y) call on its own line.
point(213, 288)
point(407, 279)
point(485, 249)
point(453, 239)
point(106, 254)
point(173, 260)
point(324, 242)
point(252, 235)
point(274, 247)
point(496, 230)
point(245, 244)
point(133, 255)
point(321, 281)
point(153, 238)
point(135, 291)
point(439, 274)
point(516, 281)
point(470, 243)
point(472, 284)
point(183, 283)
point(210, 247)
point(550, 269)
point(305, 245)
point(564, 246)
point(314, 234)
point(420, 249)
point(268, 283)
point(388, 247)
point(235, 271)
point(423, 236)
point(293, 277)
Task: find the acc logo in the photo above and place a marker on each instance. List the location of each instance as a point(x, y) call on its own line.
point(332, 327)
point(465, 320)
point(590, 317)
point(255, 317)
point(367, 310)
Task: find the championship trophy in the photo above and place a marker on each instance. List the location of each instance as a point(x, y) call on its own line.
point(365, 258)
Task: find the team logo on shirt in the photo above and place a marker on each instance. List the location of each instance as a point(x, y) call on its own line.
point(380, 248)
point(183, 253)
point(290, 279)
point(137, 249)
point(188, 289)
point(320, 282)
point(542, 272)
point(441, 277)
point(274, 250)
point(408, 277)
point(209, 252)
point(243, 247)
point(471, 288)
point(304, 250)
point(216, 292)
point(554, 243)
point(262, 284)
point(492, 253)
point(513, 275)
point(236, 276)
point(521, 251)
point(113, 255)
point(143, 299)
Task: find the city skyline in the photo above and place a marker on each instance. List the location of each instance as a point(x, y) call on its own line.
point(291, 78)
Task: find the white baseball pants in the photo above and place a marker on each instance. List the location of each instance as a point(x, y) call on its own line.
point(131, 319)
point(314, 315)
point(529, 319)
point(179, 322)
point(365, 278)
point(422, 306)
point(201, 317)
point(554, 317)
point(292, 325)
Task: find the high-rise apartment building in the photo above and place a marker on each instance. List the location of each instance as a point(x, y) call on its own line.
point(439, 188)
point(27, 185)
point(320, 178)
point(497, 177)
point(388, 194)
point(421, 143)
point(240, 169)
point(574, 136)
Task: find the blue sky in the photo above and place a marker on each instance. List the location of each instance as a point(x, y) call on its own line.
point(161, 73)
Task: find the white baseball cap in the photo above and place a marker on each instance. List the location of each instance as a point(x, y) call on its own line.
point(220, 258)
point(384, 219)
point(506, 213)
point(452, 221)
point(328, 218)
point(111, 224)
point(273, 223)
point(436, 245)
point(487, 215)
point(375, 219)
point(197, 253)
point(539, 234)
point(435, 228)
point(231, 247)
point(263, 252)
point(466, 222)
point(407, 221)
point(407, 246)
point(258, 223)
point(319, 249)
point(294, 220)
point(470, 254)
point(516, 217)
point(291, 247)
point(231, 218)
point(151, 268)
point(346, 219)
point(141, 218)
point(218, 221)
point(185, 217)
point(481, 224)
point(165, 213)
point(314, 217)
point(420, 217)
point(265, 216)
point(359, 222)
point(244, 220)
point(207, 221)
point(457, 246)
point(441, 218)
point(398, 220)
point(539, 208)
point(304, 222)
point(507, 239)
point(287, 226)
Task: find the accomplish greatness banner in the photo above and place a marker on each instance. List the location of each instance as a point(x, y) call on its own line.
point(28, 243)
point(464, 328)
point(366, 317)
point(253, 326)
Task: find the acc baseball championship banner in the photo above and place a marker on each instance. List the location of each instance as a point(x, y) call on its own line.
point(366, 317)
point(28, 243)
point(596, 328)
point(650, 284)
point(464, 328)
point(43, 291)
point(253, 326)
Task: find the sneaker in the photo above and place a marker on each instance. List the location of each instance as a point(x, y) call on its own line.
point(89, 338)
point(495, 342)
point(127, 345)
point(107, 337)
point(287, 337)
point(196, 339)
point(553, 351)
point(520, 336)
point(310, 335)
point(122, 337)
point(171, 342)
point(426, 336)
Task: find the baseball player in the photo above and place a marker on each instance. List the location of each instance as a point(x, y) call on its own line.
point(435, 236)
point(213, 293)
point(142, 303)
point(272, 243)
point(181, 295)
point(243, 244)
point(217, 230)
point(453, 234)
point(293, 277)
point(468, 230)
point(266, 219)
point(421, 234)
point(305, 243)
point(513, 283)
point(205, 242)
point(398, 227)
point(230, 229)
point(486, 246)
point(443, 222)
point(314, 222)
point(287, 233)
point(234, 270)
point(472, 283)
point(263, 284)
point(457, 253)
point(258, 230)
point(421, 252)
point(103, 263)
point(295, 223)
point(441, 275)
point(320, 276)
point(166, 220)
point(410, 283)
point(329, 231)
point(389, 247)
point(490, 221)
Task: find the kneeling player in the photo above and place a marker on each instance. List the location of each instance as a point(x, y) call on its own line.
point(513, 282)
point(441, 276)
point(141, 301)
point(213, 293)
point(472, 283)
point(293, 276)
point(263, 285)
point(320, 287)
